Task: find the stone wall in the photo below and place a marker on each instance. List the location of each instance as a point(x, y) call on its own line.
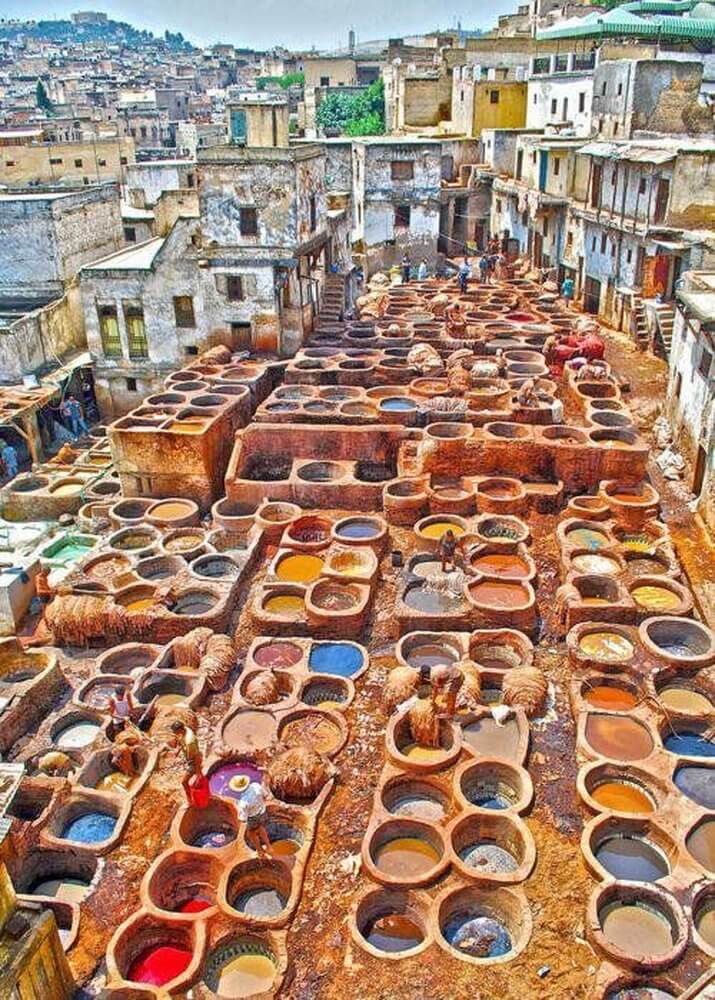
point(66, 162)
point(52, 331)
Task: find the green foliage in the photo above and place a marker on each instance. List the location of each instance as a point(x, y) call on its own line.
point(284, 82)
point(43, 98)
point(355, 114)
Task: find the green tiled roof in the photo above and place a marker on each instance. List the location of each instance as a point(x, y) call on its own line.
point(622, 21)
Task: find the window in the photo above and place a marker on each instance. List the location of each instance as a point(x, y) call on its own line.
point(678, 385)
point(582, 101)
point(109, 332)
point(600, 125)
point(629, 256)
point(131, 385)
point(593, 245)
point(9, 163)
point(249, 222)
point(234, 288)
point(519, 163)
point(493, 96)
point(557, 166)
point(569, 239)
point(130, 234)
point(498, 205)
point(641, 186)
point(184, 311)
point(565, 108)
point(78, 163)
point(525, 218)
point(123, 160)
point(191, 350)
point(136, 331)
point(325, 81)
point(402, 216)
point(615, 128)
point(56, 161)
point(614, 176)
point(620, 89)
point(402, 170)
point(313, 213)
point(102, 162)
point(545, 227)
point(461, 97)
point(143, 131)
point(554, 105)
point(661, 199)
point(603, 89)
point(613, 248)
point(705, 362)
point(536, 98)
point(190, 180)
point(603, 243)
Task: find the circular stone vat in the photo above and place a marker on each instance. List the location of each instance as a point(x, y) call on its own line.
point(703, 910)
point(631, 850)
point(311, 729)
point(697, 783)
point(287, 605)
point(194, 603)
point(617, 737)
point(424, 650)
point(506, 431)
point(249, 729)
point(483, 926)
point(610, 788)
point(137, 599)
point(500, 595)
point(503, 529)
point(594, 563)
point(495, 785)
point(340, 659)
point(637, 925)
point(678, 639)
point(619, 438)
point(605, 645)
point(29, 484)
point(215, 567)
point(505, 565)
point(134, 540)
point(492, 847)
point(159, 568)
point(611, 694)
point(358, 529)
point(214, 827)
point(585, 535)
point(498, 653)
point(184, 882)
point(325, 692)
point(434, 526)
point(421, 597)
point(277, 654)
point(75, 732)
point(130, 510)
point(329, 595)
point(87, 827)
point(173, 511)
point(241, 967)
point(321, 472)
point(406, 851)
point(687, 739)
point(682, 696)
point(67, 487)
point(221, 778)
point(259, 889)
point(154, 953)
point(415, 798)
point(391, 924)
point(487, 739)
point(654, 596)
point(299, 568)
point(700, 843)
point(310, 531)
point(186, 542)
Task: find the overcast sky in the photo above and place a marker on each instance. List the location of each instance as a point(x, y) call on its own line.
point(297, 24)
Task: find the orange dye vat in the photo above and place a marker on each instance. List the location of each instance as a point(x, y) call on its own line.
point(611, 697)
point(622, 796)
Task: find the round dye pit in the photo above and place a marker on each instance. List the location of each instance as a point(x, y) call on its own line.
point(278, 654)
point(415, 800)
point(704, 920)
point(587, 538)
point(77, 735)
point(393, 932)
point(341, 659)
point(325, 694)
point(680, 698)
point(397, 404)
point(214, 838)
point(315, 731)
point(422, 755)
point(502, 565)
point(339, 597)
point(588, 562)
point(635, 859)
point(184, 543)
point(290, 606)
point(260, 901)
point(476, 934)
point(172, 510)
point(609, 696)
point(637, 928)
point(116, 781)
point(498, 594)
point(64, 888)
point(220, 779)
point(641, 993)
point(406, 858)
point(688, 743)
point(655, 599)
point(618, 737)
point(435, 529)
point(89, 828)
point(421, 597)
point(700, 842)
point(489, 858)
point(608, 647)
point(358, 528)
point(299, 568)
point(250, 729)
point(485, 787)
point(240, 969)
point(697, 784)
point(431, 654)
point(159, 965)
point(622, 796)
point(487, 739)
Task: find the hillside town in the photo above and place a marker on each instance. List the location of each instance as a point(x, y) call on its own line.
point(357, 510)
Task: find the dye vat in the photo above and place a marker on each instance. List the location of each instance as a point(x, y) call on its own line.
point(589, 562)
point(140, 604)
point(701, 844)
point(89, 828)
point(618, 737)
point(291, 606)
point(435, 529)
point(636, 928)
point(587, 538)
point(501, 565)
point(609, 647)
point(260, 901)
point(64, 889)
point(654, 598)
point(220, 780)
point(697, 784)
point(159, 965)
point(688, 743)
point(610, 697)
point(299, 568)
point(421, 597)
point(116, 781)
point(415, 800)
point(422, 755)
point(278, 654)
point(406, 857)
point(704, 919)
point(393, 932)
point(499, 594)
point(250, 729)
point(680, 698)
point(489, 858)
point(476, 934)
point(426, 569)
point(635, 859)
point(183, 543)
point(622, 796)
point(487, 739)
point(77, 735)
point(240, 969)
point(641, 993)
point(337, 658)
point(314, 731)
point(172, 510)
point(431, 654)
point(358, 529)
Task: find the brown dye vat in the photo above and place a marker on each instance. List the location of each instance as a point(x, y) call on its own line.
point(679, 698)
point(646, 566)
point(335, 599)
point(172, 510)
point(496, 594)
point(278, 654)
point(622, 796)
point(107, 568)
point(705, 922)
point(255, 730)
point(406, 857)
point(618, 737)
point(490, 740)
point(314, 731)
point(637, 928)
point(182, 543)
point(701, 844)
point(610, 697)
point(431, 654)
point(505, 565)
point(655, 599)
point(609, 647)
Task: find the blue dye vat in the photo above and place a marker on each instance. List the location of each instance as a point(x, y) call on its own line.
point(397, 403)
point(688, 744)
point(337, 658)
point(476, 935)
point(358, 529)
point(90, 828)
point(490, 800)
point(698, 783)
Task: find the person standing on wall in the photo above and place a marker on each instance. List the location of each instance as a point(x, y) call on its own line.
point(71, 410)
point(406, 268)
point(464, 274)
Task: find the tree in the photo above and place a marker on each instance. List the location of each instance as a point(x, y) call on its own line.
point(43, 98)
point(355, 114)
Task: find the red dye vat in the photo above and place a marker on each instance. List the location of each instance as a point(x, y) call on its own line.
point(194, 905)
point(157, 966)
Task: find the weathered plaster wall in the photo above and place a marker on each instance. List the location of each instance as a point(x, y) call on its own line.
point(53, 331)
point(568, 87)
point(426, 101)
point(99, 160)
point(147, 181)
point(507, 111)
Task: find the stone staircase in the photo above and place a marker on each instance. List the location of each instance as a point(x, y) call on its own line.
point(665, 316)
point(640, 323)
point(332, 307)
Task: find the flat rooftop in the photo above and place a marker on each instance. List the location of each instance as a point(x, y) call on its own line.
point(139, 258)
